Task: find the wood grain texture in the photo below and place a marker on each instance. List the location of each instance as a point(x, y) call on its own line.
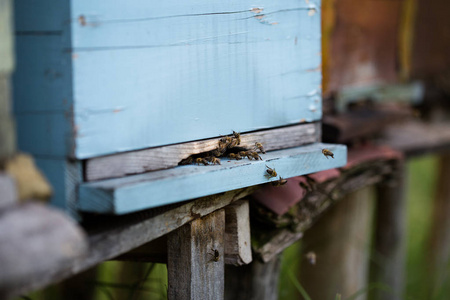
point(238, 249)
point(110, 80)
point(193, 271)
point(256, 281)
point(132, 193)
point(389, 250)
point(132, 231)
point(340, 241)
point(122, 164)
point(38, 240)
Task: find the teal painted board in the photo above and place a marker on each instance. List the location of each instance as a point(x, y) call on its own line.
point(138, 74)
point(133, 193)
point(41, 16)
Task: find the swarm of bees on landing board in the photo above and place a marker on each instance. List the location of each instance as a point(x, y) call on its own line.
point(229, 146)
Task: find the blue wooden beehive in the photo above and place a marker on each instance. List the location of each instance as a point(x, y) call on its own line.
point(96, 78)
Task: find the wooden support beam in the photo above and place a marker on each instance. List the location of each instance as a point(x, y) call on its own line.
point(237, 240)
point(389, 250)
point(132, 231)
point(195, 259)
point(238, 249)
point(255, 281)
point(341, 243)
point(141, 161)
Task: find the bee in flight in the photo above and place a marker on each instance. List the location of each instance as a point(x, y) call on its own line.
point(271, 172)
point(327, 153)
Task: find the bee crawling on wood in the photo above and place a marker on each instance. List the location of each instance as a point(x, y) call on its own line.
point(235, 156)
point(200, 160)
point(279, 182)
point(237, 136)
point(215, 254)
point(327, 153)
point(234, 142)
point(271, 172)
point(214, 160)
point(254, 155)
point(260, 147)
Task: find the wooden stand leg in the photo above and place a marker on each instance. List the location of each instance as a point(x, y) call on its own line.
point(439, 241)
point(195, 259)
point(255, 281)
point(389, 251)
point(340, 241)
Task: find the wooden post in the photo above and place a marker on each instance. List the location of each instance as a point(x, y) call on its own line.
point(340, 241)
point(195, 259)
point(439, 240)
point(255, 281)
point(389, 249)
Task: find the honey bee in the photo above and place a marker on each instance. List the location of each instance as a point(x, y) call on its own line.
point(187, 161)
point(235, 156)
point(214, 160)
point(243, 153)
point(200, 160)
point(271, 172)
point(279, 182)
point(237, 136)
point(260, 147)
point(311, 257)
point(215, 254)
point(234, 142)
point(254, 155)
point(225, 140)
point(327, 153)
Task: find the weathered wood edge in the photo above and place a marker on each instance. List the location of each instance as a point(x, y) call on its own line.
point(266, 244)
point(144, 191)
point(132, 231)
point(195, 259)
point(135, 162)
point(238, 249)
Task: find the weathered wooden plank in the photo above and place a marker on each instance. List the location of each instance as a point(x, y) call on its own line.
point(238, 249)
point(195, 259)
point(389, 249)
point(340, 241)
point(132, 231)
point(415, 137)
point(132, 193)
point(8, 190)
point(141, 161)
point(256, 281)
point(36, 240)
